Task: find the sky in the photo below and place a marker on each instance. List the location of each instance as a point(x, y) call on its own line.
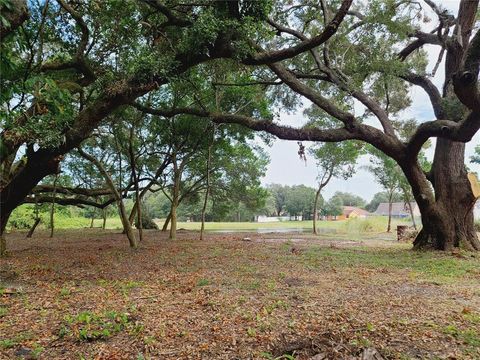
point(287, 168)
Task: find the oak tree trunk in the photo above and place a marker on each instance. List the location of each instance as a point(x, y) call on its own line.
point(205, 200)
point(448, 223)
point(34, 226)
point(127, 227)
point(167, 221)
point(175, 200)
point(104, 215)
point(3, 244)
point(52, 209)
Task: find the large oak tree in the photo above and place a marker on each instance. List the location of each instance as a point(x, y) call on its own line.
point(326, 52)
point(83, 64)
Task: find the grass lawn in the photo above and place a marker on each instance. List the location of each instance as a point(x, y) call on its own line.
point(355, 226)
point(85, 295)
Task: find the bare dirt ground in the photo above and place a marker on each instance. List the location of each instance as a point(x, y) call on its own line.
point(85, 295)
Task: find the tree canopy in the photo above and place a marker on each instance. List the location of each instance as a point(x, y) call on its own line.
point(70, 67)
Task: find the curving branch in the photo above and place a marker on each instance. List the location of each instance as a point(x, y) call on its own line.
point(352, 131)
point(421, 38)
point(79, 202)
point(330, 76)
point(71, 191)
point(79, 62)
point(289, 79)
point(172, 19)
point(431, 90)
point(465, 82)
point(462, 131)
point(306, 45)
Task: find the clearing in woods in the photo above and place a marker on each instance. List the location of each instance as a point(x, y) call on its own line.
point(85, 294)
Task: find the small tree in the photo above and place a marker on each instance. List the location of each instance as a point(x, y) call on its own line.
point(333, 207)
point(334, 160)
point(298, 201)
point(388, 174)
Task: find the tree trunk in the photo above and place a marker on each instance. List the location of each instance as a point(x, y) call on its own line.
point(34, 226)
point(167, 221)
point(121, 207)
point(104, 215)
point(410, 210)
point(52, 210)
point(205, 200)
point(315, 209)
point(3, 244)
point(135, 177)
point(390, 212)
point(448, 222)
point(175, 198)
point(91, 223)
point(173, 222)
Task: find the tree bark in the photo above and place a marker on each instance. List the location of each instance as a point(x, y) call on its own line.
point(104, 215)
point(135, 176)
point(448, 222)
point(15, 15)
point(34, 226)
point(389, 226)
point(3, 244)
point(315, 209)
point(121, 207)
point(173, 211)
point(39, 164)
point(52, 210)
point(205, 200)
point(167, 221)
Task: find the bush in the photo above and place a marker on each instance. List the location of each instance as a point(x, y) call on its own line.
point(22, 217)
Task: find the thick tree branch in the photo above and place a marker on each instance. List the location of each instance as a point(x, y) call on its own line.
point(422, 38)
point(79, 202)
point(462, 131)
point(288, 78)
point(466, 80)
point(71, 191)
point(332, 77)
point(431, 90)
point(353, 131)
point(172, 19)
point(80, 63)
point(306, 45)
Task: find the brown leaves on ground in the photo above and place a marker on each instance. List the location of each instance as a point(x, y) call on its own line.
point(85, 294)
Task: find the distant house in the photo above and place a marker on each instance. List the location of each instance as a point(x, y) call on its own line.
point(399, 209)
point(264, 218)
point(350, 212)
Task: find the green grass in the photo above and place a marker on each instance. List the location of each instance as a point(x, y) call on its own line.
point(374, 224)
point(433, 267)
